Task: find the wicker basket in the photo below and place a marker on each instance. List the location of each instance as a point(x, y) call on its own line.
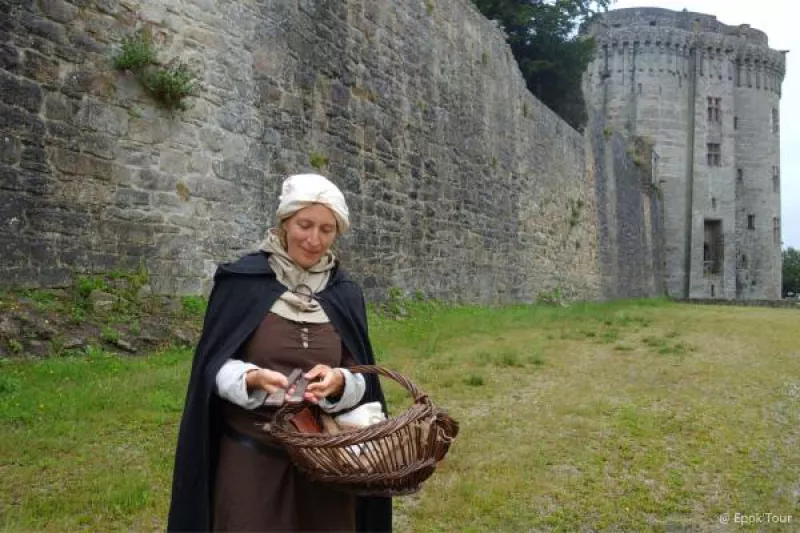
point(390, 458)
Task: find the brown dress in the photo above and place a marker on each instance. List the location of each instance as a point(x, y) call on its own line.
point(262, 491)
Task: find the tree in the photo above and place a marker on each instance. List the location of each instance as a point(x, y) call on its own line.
point(791, 271)
point(551, 53)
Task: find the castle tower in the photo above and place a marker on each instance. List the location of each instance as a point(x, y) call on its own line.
point(707, 96)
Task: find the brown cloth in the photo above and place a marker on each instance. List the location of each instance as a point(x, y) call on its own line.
point(258, 491)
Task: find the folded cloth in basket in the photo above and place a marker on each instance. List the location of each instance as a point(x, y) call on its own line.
point(363, 415)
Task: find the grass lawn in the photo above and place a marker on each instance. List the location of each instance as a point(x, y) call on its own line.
point(626, 416)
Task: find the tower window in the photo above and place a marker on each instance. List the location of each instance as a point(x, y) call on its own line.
point(776, 179)
point(751, 222)
point(714, 109)
point(714, 158)
point(713, 203)
point(739, 175)
point(713, 247)
point(776, 127)
point(736, 123)
point(776, 230)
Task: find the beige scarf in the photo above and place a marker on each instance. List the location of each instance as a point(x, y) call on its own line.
point(295, 304)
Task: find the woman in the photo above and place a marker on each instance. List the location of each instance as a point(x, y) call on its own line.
point(288, 305)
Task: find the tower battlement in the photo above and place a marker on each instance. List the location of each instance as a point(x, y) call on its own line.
point(655, 17)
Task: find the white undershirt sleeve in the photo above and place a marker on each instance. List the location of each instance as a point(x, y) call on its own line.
point(231, 384)
point(354, 387)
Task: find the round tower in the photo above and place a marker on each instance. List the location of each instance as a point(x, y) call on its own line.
point(707, 96)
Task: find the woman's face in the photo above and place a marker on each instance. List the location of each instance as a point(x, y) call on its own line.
point(309, 234)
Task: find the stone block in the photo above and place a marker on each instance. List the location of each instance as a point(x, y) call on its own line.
point(58, 10)
point(15, 179)
point(110, 7)
point(169, 200)
point(85, 44)
point(42, 27)
point(78, 83)
point(57, 221)
point(127, 232)
point(155, 14)
point(20, 123)
point(63, 135)
point(103, 28)
point(236, 172)
point(88, 81)
point(20, 92)
point(13, 206)
point(233, 118)
point(150, 129)
point(99, 116)
point(153, 180)
point(34, 158)
point(136, 155)
point(10, 149)
point(58, 106)
point(100, 145)
point(210, 39)
point(9, 57)
point(125, 197)
point(172, 162)
point(260, 156)
point(123, 174)
point(82, 165)
point(40, 68)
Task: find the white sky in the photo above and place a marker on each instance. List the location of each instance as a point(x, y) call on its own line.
point(774, 17)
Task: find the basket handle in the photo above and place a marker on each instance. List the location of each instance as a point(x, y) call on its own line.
point(418, 395)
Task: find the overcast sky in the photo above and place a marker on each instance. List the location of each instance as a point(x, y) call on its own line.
point(772, 17)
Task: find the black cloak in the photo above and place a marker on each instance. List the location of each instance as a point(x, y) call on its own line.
point(242, 295)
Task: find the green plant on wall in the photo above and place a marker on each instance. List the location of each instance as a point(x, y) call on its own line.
point(318, 161)
point(168, 83)
point(575, 212)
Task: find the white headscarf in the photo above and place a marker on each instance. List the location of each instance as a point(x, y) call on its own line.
point(302, 190)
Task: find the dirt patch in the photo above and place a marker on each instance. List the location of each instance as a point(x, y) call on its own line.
point(110, 317)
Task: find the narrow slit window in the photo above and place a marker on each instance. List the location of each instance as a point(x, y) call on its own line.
point(713, 247)
point(751, 222)
point(776, 230)
point(776, 179)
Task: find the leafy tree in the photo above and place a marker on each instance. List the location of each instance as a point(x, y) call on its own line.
point(791, 271)
point(551, 53)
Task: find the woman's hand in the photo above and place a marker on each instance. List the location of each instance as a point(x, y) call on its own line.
point(330, 383)
point(267, 380)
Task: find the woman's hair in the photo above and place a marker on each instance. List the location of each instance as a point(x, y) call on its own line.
point(280, 231)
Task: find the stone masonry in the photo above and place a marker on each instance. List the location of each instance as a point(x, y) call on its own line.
point(707, 95)
point(461, 184)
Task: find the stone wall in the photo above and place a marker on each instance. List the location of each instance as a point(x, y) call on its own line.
point(461, 184)
point(631, 218)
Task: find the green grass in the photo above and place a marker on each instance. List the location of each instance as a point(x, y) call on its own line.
point(625, 416)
